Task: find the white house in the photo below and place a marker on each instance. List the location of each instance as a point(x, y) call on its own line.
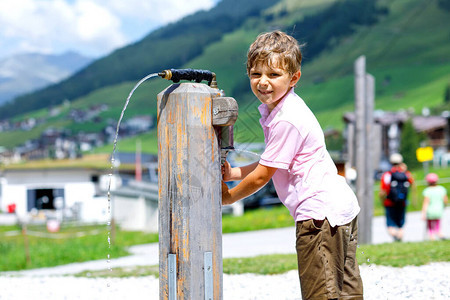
point(67, 190)
point(135, 206)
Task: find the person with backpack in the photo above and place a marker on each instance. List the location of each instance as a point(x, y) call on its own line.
point(394, 188)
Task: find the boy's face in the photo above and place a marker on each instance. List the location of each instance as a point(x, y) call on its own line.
point(270, 84)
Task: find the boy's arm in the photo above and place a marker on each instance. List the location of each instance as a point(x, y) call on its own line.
point(237, 173)
point(254, 181)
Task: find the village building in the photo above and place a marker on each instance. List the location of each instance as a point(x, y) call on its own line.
point(135, 206)
point(57, 191)
point(386, 135)
point(35, 194)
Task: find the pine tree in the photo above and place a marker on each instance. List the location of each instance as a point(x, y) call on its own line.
point(447, 94)
point(410, 141)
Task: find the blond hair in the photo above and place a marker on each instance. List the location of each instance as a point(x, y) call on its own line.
point(275, 49)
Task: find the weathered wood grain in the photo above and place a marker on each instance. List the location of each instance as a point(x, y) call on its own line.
point(190, 216)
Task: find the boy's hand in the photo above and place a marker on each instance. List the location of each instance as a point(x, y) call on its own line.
point(226, 171)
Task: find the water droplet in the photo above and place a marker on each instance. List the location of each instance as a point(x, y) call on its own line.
point(109, 223)
point(368, 260)
point(108, 256)
point(108, 284)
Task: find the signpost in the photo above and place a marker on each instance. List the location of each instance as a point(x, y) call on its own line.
point(425, 155)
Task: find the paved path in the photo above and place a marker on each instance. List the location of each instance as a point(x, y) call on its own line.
point(244, 244)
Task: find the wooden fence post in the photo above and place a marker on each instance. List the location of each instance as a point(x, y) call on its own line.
point(190, 199)
point(26, 244)
point(364, 105)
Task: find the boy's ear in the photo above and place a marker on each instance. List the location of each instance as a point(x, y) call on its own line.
point(295, 78)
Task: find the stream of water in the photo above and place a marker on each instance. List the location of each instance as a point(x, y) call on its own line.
point(113, 163)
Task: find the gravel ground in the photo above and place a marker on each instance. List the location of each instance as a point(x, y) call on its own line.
point(424, 282)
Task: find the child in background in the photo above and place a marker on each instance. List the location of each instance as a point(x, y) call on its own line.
point(435, 198)
point(395, 206)
point(305, 177)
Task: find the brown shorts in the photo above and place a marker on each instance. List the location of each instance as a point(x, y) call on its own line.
point(327, 264)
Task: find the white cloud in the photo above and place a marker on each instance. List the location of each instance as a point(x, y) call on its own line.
point(54, 26)
point(93, 27)
point(157, 10)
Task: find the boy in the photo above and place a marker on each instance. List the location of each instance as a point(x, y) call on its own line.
point(306, 180)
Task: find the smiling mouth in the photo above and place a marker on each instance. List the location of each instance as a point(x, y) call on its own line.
point(265, 92)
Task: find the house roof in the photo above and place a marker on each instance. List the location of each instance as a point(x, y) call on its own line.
point(381, 117)
point(130, 157)
point(420, 123)
point(429, 123)
point(136, 189)
point(99, 162)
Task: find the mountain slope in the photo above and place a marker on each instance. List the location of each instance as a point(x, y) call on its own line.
point(405, 43)
point(170, 46)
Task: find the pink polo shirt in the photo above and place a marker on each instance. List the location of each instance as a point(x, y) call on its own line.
point(306, 181)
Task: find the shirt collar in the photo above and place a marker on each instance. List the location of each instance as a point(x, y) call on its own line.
point(266, 116)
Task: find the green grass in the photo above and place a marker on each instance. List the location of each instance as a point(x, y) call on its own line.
point(404, 254)
point(393, 254)
point(265, 218)
point(149, 144)
point(389, 254)
point(48, 251)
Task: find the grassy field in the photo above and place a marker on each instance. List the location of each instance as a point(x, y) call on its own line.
point(383, 254)
point(67, 246)
point(63, 247)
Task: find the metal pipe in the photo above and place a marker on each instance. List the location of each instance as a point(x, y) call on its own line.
point(190, 74)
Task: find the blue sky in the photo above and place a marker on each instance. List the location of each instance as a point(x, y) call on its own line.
point(90, 27)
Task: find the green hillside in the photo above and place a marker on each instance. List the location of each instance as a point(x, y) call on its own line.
point(406, 44)
point(171, 46)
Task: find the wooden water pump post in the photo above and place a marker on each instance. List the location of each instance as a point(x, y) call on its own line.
point(190, 199)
